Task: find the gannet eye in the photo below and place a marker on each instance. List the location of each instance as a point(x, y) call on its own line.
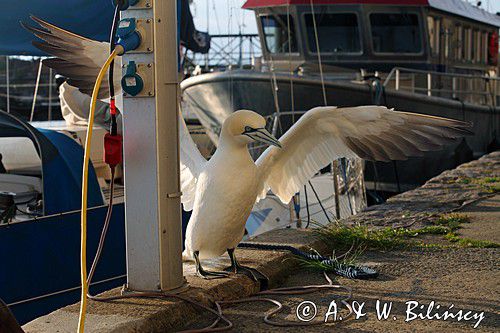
point(248, 129)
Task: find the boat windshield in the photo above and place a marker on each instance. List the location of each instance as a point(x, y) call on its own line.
point(279, 31)
point(337, 33)
point(395, 33)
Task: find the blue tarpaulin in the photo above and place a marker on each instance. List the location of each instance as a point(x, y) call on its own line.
point(62, 160)
point(64, 172)
point(89, 18)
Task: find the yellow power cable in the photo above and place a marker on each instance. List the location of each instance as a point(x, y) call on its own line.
point(85, 177)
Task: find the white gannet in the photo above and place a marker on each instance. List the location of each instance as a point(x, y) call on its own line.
point(222, 191)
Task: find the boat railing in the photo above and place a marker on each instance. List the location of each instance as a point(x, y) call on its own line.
point(476, 89)
point(16, 91)
point(228, 50)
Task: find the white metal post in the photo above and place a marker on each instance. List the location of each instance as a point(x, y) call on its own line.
point(7, 79)
point(167, 136)
point(397, 79)
point(50, 94)
point(454, 87)
point(35, 94)
point(152, 194)
point(429, 84)
point(335, 169)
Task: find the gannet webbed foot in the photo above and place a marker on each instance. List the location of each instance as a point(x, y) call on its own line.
point(252, 273)
point(206, 274)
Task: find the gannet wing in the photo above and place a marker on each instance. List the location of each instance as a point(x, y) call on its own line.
point(325, 134)
point(80, 59)
point(191, 164)
point(77, 58)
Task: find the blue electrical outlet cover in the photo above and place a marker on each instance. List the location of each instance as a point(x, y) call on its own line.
point(129, 38)
point(132, 82)
point(126, 27)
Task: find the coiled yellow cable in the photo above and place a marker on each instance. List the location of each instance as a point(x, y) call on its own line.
point(85, 177)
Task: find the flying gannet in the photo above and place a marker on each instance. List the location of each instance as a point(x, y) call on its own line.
point(222, 191)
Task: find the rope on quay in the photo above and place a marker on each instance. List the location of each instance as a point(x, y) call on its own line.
point(348, 271)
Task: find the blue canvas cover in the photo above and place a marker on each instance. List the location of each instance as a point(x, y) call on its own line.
point(62, 176)
point(88, 18)
point(62, 160)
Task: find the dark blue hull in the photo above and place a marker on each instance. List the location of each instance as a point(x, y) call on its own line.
point(41, 260)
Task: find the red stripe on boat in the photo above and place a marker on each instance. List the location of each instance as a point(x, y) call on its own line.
point(269, 3)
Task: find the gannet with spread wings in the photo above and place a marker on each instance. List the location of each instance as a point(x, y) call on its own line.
point(222, 191)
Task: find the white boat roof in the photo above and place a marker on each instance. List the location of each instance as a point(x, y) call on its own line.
point(467, 10)
point(457, 7)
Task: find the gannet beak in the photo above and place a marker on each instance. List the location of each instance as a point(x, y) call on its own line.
point(262, 135)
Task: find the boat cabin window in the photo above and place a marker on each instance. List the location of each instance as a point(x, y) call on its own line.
point(484, 47)
point(460, 42)
point(279, 32)
point(471, 44)
point(476, 46)
point(481, 41)
point(448, 33)
point(479, 49)
point(468, 44)
point(434, 26)
point(337, 33)
point(395, 33)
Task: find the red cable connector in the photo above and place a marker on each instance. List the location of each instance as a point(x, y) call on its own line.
point(113, 149)
point(113, 141)
point(112, 107)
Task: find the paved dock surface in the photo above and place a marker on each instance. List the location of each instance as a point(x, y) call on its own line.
point(485, 215)
point(468, 278)
point(459, 275)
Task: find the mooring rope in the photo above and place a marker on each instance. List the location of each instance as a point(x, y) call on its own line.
point(345, 270)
